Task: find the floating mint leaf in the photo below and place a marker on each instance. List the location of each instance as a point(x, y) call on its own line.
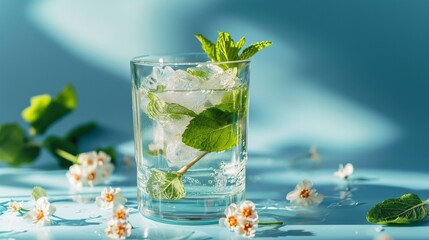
point(44, 111)
point(38, 192)
point(253, 49)
point(15, 149)
point(211, 131)
point(197, 73)
point(165, 185)
point(160, 110)
point(407, 209)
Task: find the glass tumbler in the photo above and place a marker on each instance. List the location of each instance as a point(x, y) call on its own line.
point(190, 132)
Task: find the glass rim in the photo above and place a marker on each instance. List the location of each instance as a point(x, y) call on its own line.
point(140, 60)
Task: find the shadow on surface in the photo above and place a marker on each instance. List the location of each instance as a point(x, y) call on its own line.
point(276, 232)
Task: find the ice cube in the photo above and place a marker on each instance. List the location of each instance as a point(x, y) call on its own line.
point(182, 80)
point(193, 100)
point(223, 80)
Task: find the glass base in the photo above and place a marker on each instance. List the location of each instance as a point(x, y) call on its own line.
point(188, 211)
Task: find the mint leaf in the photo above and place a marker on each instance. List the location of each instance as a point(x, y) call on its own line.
point(160, 110)
point(165, 185)
point(54, 143)
point(211, 131)
point(81, 130)
point(15, 149)
point(235, 100)
point(43, 111)
point(197, 73)
point(207, 46)
point(225, 49)
point(253, 49)
point(407, 209)
point(38, 192)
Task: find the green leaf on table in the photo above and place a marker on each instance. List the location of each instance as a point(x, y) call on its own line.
point(15, 149)
point(160, 110)
point(38, 192)
point(54, 143)
point(81, 130)
point(44, 111)
point(407, 209)
point(212, 130)
point(253, 49)
point(165, 185)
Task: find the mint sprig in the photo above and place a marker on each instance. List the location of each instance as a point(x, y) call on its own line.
point(161, 110)
point(408, 208)
point(225, 49)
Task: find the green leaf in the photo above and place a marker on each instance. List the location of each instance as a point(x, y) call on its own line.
point(407, 209)
point(207, 46)
point(38, 192)
point(44, 111)
point(211, 131)
point(14, 147)
point(165, 185)
point(197, 73)
point(53, 143)
point(81, 130)
point(253, 49)
point(160, 110)
point(235, 100)
point(225, 48)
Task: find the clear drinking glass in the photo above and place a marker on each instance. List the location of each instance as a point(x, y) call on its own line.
point(190, 133)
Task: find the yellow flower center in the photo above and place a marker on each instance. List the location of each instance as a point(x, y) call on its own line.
point(40, 215)
point(89, 161)
point(76, 177)
point(100, 160)
point(109, 197)
point(232, 221)
point(91, 176)
point(247, 227)
point(14, 208)
point(120, 214)
point(120, 230)
point(305, 193)
point(246, 212)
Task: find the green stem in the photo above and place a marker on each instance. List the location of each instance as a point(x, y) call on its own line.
point(23, 210)
point(185, 168)
point(72, 158)
point(270, 223)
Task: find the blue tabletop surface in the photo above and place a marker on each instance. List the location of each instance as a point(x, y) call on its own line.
point(349, 76)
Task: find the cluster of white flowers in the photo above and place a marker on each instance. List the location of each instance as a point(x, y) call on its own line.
point(92, 169)
point(243, 220)
point(118, 227)
point(41, 212)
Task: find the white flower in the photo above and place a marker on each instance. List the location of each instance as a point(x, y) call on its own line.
point(344, 171)
point(231, 220)
point(93, 175)
point(120, 212)
point(41, 212)
point(246, 228)
point(89, 159)
point(304, 196)
point(14, 207)
point(118, 229)
point(314, 154)
point(110, 197)
point(103, 158)
point(247, 211)
point(75, 176)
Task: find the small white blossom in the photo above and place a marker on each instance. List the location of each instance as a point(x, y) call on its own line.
point(89, 159)
point(344, 171)
point(304, 196)
point(103, 158)
point(314, 154)
point(41, 212)
point(120, 212)
point(246, 228)
point(14, 207)
point(231, 219)
point(118, 229)
point(247, 211)
point(110, 197)
point(75, 176)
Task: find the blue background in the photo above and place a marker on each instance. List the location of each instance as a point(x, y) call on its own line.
point(349, 76)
